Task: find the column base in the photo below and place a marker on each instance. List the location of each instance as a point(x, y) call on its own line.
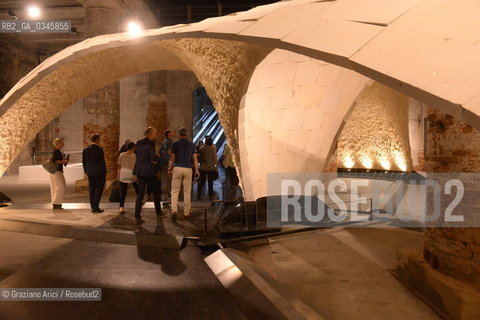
point(451, 298)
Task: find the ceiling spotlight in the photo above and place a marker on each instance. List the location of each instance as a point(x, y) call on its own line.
point(12, 14)
point(134, 29)
point(33, 11)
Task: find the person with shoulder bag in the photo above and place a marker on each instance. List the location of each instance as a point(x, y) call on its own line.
point(57, 179)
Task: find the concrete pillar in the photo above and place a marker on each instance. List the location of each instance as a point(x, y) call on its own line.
point(157, 115)
point(102, 108)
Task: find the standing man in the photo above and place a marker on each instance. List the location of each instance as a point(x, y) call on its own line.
point(146, 170)
point(95, 168)
point(183, 157)
point(165, 152)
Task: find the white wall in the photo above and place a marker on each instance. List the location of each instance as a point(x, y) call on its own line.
point(133, 107)
point(290, 116)
point(416, 131)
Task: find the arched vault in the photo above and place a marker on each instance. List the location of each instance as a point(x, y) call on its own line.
point(426, 49)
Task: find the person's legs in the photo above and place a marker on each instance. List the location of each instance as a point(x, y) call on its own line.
point(99, 190)
point(210, 175)
point(123, 193)
point(61, 186)
point(135, 186)
point(154, 185)
point(92, 185)
point(201, 183)
point(142, 183)
point(187, 190)
point(168, 183)
point(176, 182)
point(148, 195)
point(52, 188)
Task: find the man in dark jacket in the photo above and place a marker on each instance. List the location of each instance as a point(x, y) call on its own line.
point(146, 170)
point(95, 168)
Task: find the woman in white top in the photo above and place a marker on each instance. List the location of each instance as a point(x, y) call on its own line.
point(126, 162)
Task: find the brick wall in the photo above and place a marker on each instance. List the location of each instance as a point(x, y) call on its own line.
point(454, 147)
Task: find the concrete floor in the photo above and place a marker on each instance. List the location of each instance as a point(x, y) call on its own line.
point(342, 273)
point(138, 282)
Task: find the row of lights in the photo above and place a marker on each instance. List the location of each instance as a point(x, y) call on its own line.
point(134, 29)
point(367, 162)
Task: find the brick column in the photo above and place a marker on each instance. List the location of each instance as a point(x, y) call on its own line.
point(454, 147)
point(102, 108)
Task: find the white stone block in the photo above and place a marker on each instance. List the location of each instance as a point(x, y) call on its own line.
point(281, 96)
point(282, 21)
point(312, 119)
point(306, 72)
point(273, 121)
point(370, 11)
point(292, 118)
point(308, 96)
point(342, 38)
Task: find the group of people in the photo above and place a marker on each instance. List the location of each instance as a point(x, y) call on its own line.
point(147, 168)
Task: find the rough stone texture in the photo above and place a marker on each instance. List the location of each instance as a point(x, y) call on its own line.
point(341, 39)
point(85, 75)
point(290, 116)
point(453, 147)
point(375, 135)
point(225, 85)
point(458, 299)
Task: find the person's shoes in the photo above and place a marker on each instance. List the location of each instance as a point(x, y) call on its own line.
point(97, 210)
point(187, 215)
point(139, 221)
point(122, 210)
point(57, 207)
point(174, 216)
